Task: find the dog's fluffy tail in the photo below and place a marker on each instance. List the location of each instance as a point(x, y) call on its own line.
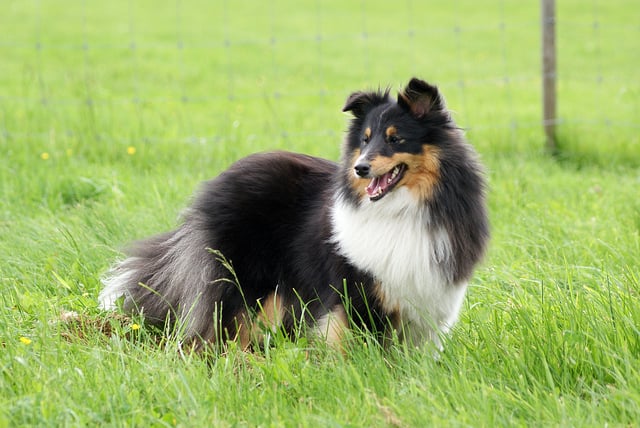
point(168, 278)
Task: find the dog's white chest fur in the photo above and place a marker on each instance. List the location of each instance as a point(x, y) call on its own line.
point(393, 239)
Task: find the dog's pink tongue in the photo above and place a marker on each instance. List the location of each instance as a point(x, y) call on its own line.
point(378, 184)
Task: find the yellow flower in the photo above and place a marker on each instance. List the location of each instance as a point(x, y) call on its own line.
point(25, 340)
point(131, 150)
point(44, 156)
point(135, 327)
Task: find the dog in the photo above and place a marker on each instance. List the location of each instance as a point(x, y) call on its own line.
point(385, 240)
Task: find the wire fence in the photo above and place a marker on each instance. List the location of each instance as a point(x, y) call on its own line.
point(185, 69)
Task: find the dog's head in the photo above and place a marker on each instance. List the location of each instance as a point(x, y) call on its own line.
point(395, 143)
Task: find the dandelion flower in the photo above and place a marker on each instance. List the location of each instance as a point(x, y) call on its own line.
point(131, 150)
point(135, 327)
point(44, 156)
point(25, 340)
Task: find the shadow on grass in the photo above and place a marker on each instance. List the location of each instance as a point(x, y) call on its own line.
point(574, 151)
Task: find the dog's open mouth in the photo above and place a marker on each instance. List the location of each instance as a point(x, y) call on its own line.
point(383, 184)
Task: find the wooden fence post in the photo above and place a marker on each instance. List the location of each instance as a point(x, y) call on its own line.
point(549, 73)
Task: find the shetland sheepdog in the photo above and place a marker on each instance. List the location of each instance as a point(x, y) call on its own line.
point(385, 240)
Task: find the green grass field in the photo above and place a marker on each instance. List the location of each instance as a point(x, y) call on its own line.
point(112, 113)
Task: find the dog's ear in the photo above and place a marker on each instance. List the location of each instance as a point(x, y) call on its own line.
point(360, 103)
point(420, 98)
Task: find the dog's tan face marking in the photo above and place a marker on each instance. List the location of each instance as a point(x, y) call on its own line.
point(391, 131)
point(392, 135)
point(422, 174)
point(367, 133)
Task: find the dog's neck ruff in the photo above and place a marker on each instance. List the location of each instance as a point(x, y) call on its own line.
point(396, 241)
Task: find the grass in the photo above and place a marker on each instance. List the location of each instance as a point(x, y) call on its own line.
point(111, 113)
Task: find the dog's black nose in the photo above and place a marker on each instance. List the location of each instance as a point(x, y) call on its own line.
point(362, 169)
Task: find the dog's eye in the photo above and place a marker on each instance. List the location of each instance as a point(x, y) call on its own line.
point(394, 139)
point(366, 135)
